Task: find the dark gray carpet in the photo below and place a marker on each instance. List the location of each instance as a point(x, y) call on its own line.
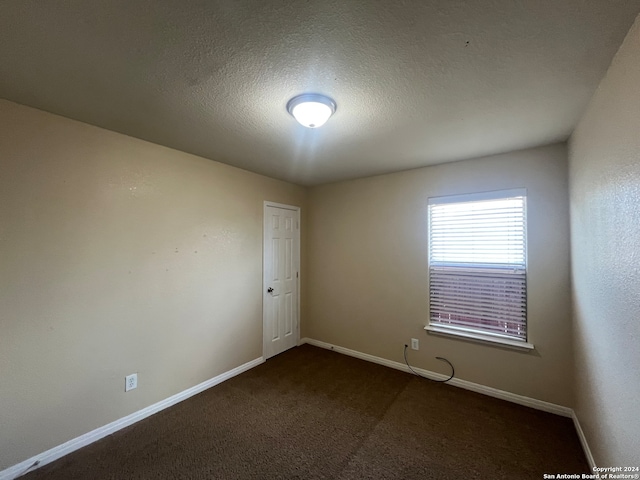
point(311, 413)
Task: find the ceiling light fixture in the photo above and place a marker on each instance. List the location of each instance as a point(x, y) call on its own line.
point(311, 110)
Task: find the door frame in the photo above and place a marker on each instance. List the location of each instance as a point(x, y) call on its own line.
point(296, 255)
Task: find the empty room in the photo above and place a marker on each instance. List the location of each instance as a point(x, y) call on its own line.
point(303, 239)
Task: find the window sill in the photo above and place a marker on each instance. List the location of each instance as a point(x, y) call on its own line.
point(479, 338)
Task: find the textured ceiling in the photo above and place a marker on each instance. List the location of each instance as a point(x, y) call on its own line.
point(416, 82)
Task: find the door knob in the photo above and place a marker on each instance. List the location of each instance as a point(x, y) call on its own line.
point(269, 290)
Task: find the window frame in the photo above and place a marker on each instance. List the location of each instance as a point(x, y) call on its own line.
point(471, 333)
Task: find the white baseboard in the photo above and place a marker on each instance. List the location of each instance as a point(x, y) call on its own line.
point(101, 432)
point(475, 387)
point(583, 441)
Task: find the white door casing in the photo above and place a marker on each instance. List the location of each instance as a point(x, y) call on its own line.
point(281, 260)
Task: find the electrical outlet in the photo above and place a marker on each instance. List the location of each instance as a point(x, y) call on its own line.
point(130, 382)
point(415, 344)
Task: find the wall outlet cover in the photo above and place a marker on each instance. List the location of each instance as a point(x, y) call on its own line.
point(415, 344)
point(130, 382)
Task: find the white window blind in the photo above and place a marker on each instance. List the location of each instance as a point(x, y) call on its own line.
point(477, 264)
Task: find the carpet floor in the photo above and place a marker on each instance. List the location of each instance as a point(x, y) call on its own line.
point(311, 413)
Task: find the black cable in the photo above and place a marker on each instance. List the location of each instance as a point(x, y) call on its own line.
point(34, 464)
point(453, 371)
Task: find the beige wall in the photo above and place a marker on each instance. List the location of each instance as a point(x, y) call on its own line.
point(117, 256)
point(368, 270)
point(605, 234)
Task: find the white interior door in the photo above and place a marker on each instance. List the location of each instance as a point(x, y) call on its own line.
point(281, 277)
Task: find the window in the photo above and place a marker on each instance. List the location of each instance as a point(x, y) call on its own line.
point(478, 266)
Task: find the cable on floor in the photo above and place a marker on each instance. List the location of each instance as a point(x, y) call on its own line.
point(453, 371)
point(34, 464)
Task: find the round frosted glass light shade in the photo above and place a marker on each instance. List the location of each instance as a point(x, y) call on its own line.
point(311, 111)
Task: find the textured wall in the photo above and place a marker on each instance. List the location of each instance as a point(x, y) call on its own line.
point(605, 234)
point(368, 269)
point(117, 256)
